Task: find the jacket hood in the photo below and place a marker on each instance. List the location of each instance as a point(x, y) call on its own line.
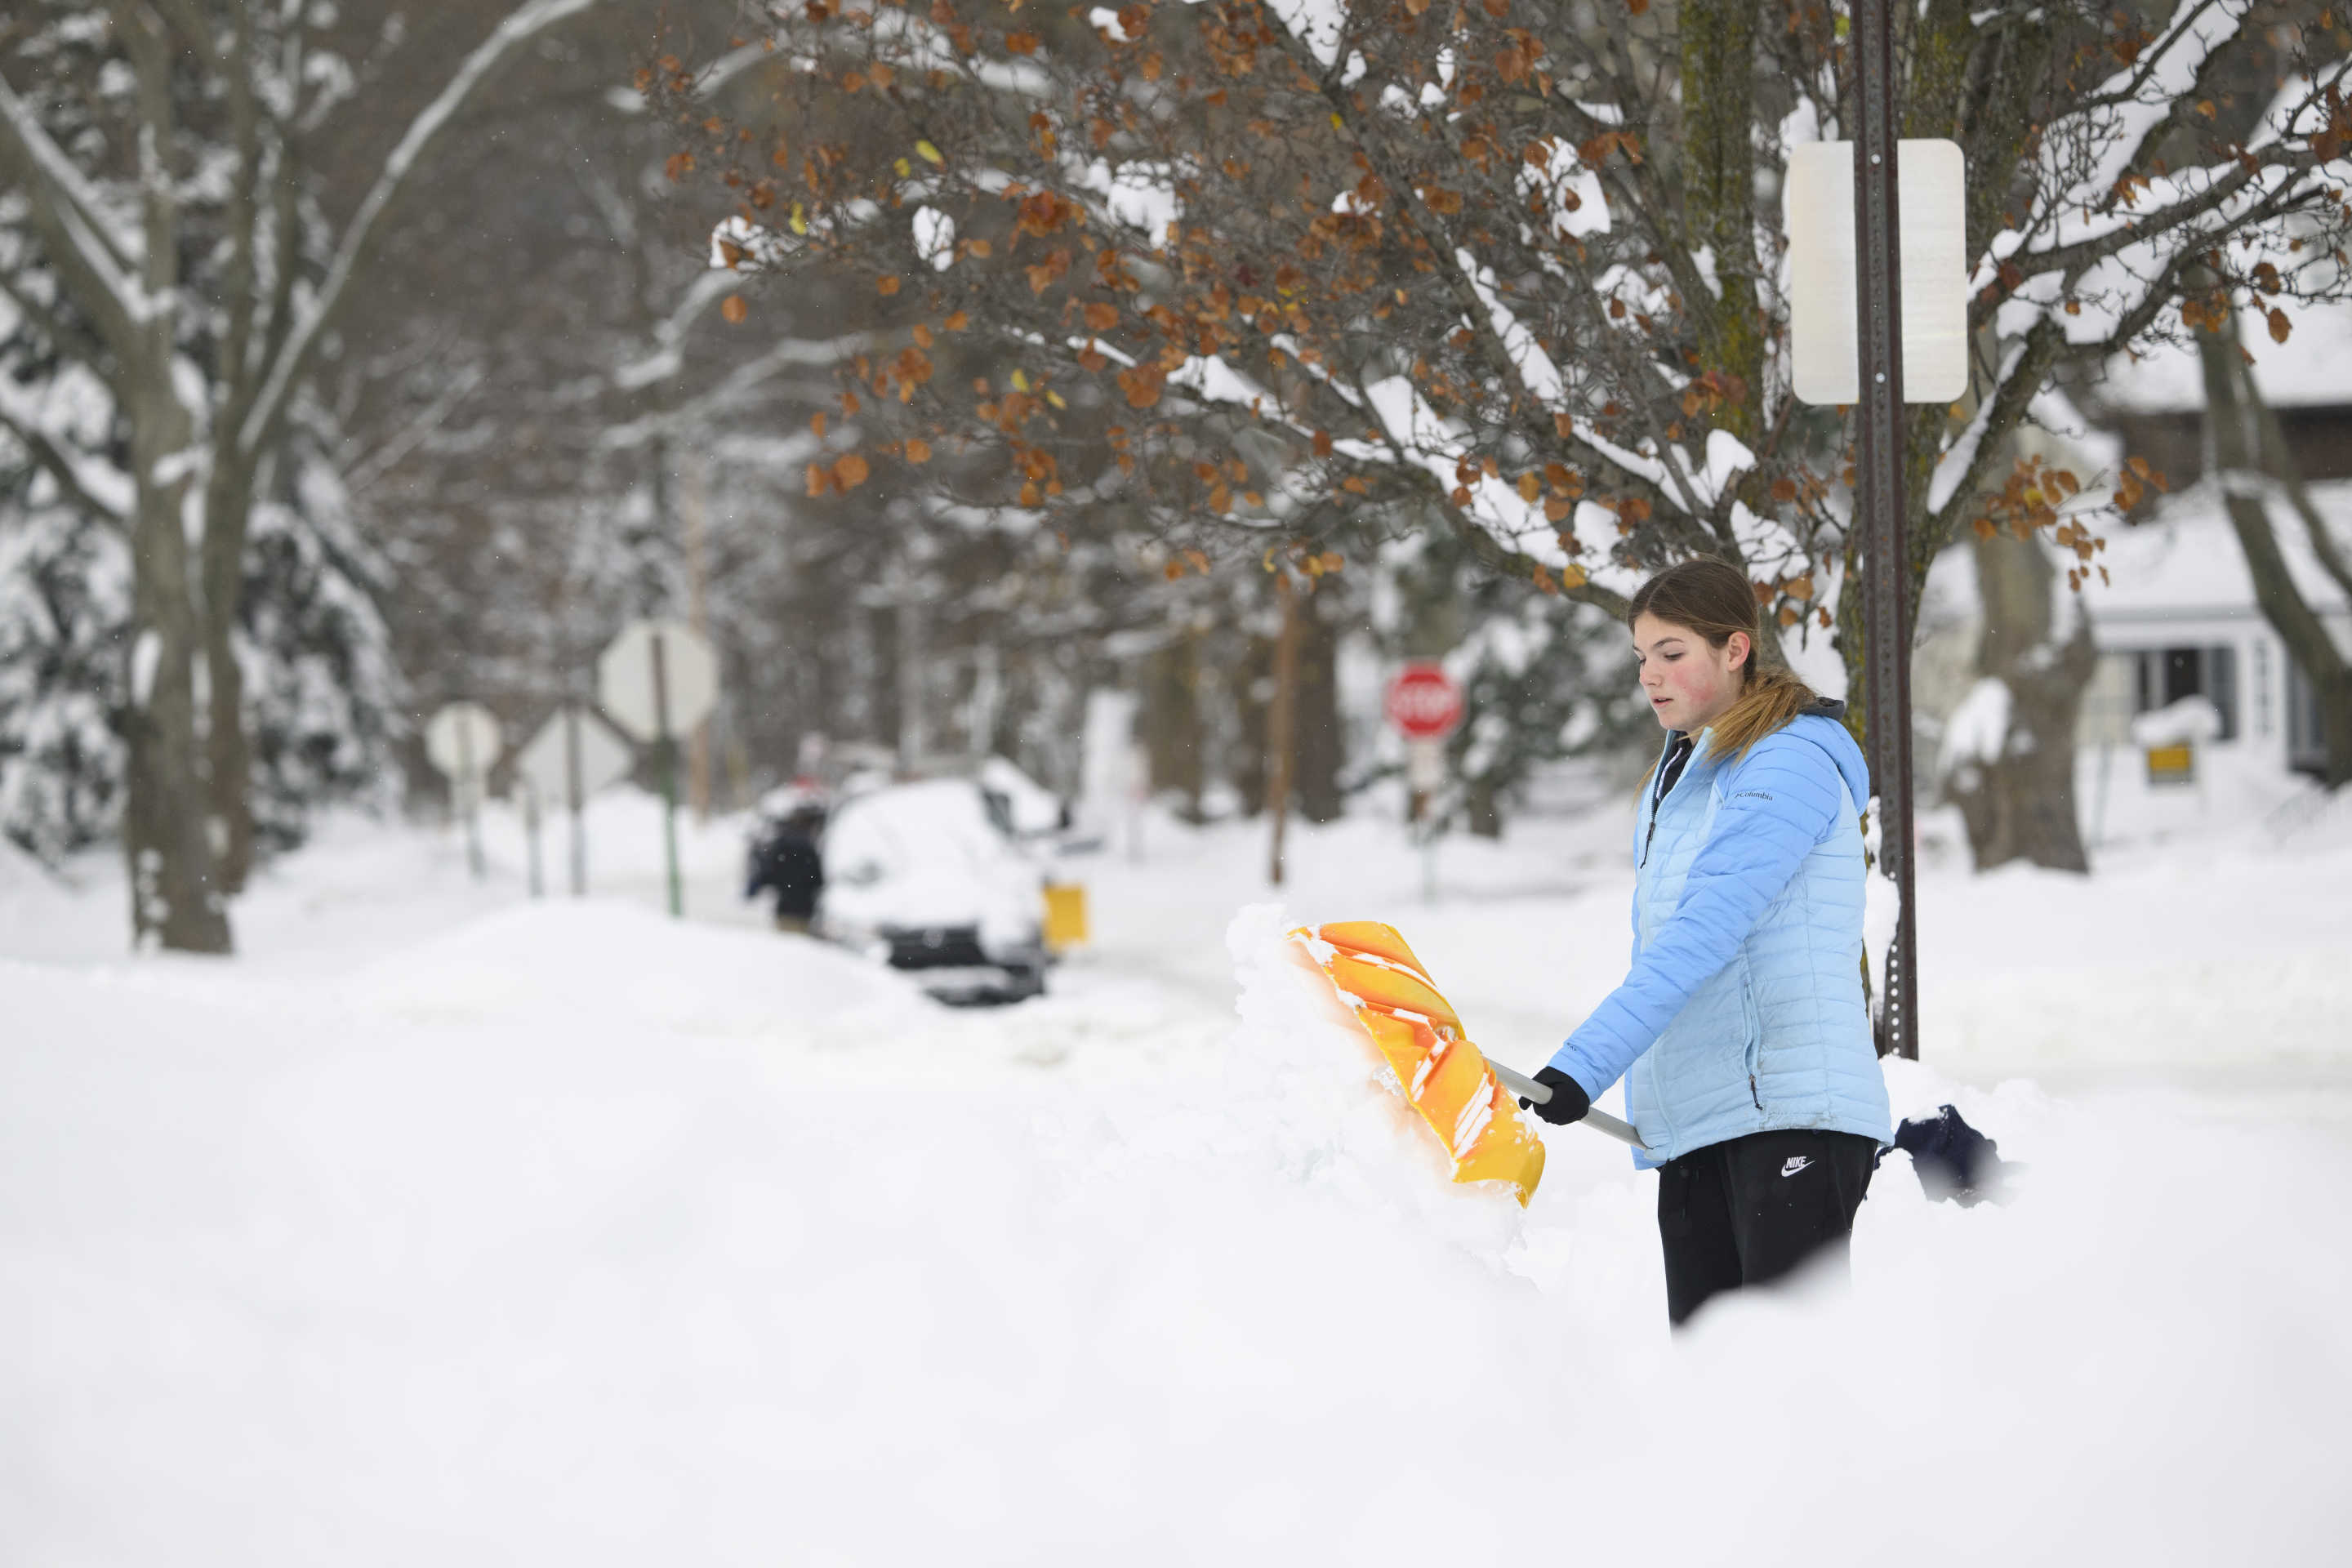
point(1823, 725)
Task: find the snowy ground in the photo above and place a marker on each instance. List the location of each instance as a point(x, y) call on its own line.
point(444, 1225)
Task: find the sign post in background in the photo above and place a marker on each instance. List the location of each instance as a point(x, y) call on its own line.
point(1425, 705)
point(657, 681)
point(571, 757)
point(462, 740)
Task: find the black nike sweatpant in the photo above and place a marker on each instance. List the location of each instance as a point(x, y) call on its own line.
point(1751, 1209)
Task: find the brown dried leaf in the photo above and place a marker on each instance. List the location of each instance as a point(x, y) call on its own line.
point(1141, 385)
point(734, 308)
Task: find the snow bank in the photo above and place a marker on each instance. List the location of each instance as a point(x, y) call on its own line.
point(609, 966)
point(1333, 1116)
point(571, 1234)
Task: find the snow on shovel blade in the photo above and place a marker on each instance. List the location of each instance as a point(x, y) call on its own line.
point(1414, 1030)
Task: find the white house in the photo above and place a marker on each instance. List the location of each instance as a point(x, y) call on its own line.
point(2177, 618)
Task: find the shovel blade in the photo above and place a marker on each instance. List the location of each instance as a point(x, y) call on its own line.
point(1408, 1023)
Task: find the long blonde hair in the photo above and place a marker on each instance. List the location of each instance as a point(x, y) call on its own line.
point(1714, 599)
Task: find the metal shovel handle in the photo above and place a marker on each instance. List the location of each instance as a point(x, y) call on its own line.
point(1599, 1120)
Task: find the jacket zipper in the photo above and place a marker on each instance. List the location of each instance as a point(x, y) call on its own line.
point(1658, 799)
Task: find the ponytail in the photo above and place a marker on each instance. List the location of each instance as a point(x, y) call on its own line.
point(1771, 699)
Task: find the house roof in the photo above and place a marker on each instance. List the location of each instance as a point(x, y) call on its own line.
point(2313, 369)
point(2187, 561)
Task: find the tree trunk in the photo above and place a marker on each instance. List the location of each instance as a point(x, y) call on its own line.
point(1281, 714)
point(1251, 686)
point(228, 506)
point(2234, 436)
point(1170, 721)
point(1318, 741)
point(174, 897)
point(1482, 806)
point(1718, 81)
point(2019, 805)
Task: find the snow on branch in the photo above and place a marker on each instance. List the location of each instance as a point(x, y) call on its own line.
point(740, 382)
point(2108, 225)
point(93, 255)
point(95, 486)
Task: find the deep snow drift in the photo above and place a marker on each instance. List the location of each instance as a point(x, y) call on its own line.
point(448, 1227)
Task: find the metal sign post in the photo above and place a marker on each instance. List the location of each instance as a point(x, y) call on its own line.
point(462, 740)
point(530, 832)
point(1886, 567)
point(576, 796)
point(1425, 705)
point(665, 758)
point(656, 680)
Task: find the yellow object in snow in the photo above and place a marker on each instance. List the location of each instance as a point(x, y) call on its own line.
point(1065, 916)
point(1413, 1028)
point(2176, 763)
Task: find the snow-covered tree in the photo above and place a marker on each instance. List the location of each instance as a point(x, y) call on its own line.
point(171, 280)
point(65, 580)
point(1269, 271)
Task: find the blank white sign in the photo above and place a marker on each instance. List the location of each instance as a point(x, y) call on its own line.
point(462, 740)
point(624, 679)
point(1822, 297)
point(545, 761)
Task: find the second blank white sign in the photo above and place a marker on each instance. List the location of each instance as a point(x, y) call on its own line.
point(1931, 177)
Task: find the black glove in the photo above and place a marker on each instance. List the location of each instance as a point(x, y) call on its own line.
point(1569, 1102)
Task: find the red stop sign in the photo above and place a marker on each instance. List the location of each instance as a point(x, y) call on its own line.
point(1424, 702)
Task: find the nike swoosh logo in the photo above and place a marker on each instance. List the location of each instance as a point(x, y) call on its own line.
point(1795, 1164)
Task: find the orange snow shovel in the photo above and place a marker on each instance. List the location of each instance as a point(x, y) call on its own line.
point(1468, 1102)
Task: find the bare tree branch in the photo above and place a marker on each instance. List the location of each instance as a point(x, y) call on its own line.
point(360, 235)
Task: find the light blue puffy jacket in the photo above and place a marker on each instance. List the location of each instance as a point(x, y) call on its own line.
point(1744, 1009)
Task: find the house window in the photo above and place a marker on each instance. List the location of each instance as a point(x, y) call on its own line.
point(2168, 674)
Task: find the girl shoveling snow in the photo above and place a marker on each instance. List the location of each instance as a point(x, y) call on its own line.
point(1741, 1030)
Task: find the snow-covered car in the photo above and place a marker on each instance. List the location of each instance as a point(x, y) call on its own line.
point(1029, 810)
point(928, 877)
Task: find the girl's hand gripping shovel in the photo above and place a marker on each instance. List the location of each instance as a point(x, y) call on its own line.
point(1599, 1120)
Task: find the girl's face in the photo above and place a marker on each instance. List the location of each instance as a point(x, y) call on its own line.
point(1689, 682)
